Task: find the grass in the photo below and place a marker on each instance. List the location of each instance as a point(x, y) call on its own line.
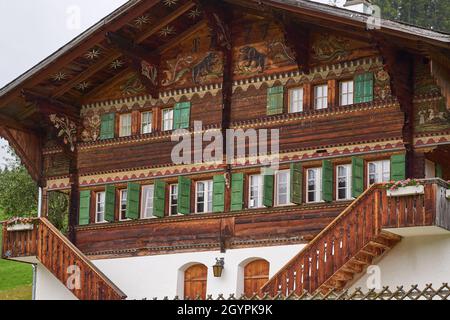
point(15, 278)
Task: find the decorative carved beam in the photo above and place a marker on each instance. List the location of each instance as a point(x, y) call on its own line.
point(145, 63)
point(218, 17)
point(400, 66)
point(64, 119)
point(298, 39)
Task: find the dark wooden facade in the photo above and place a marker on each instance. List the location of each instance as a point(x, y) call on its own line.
point(223, 57)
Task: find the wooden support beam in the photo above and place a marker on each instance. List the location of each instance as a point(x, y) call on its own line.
point(168, 19)
point(64, 119)
point(86, 74)
point(13, 123)
point(298, 39)
point(145, 63)
point(400, 66)
point(181, 37)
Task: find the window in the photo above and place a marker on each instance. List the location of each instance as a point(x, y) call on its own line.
point(379, 171)
point(146, 122)
point(125, 125)
point(100, 207)
point(314, 187)
point(255, 191)
point(147, 202)
point(167, 119)
point(343, 182)
point(203, 196)
point(173, 200)
point(321, 97)
point(346, 93)
point(123, 205)
point(296, 100)
point(282, 191)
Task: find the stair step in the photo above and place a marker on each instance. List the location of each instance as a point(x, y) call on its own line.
point(379, 245)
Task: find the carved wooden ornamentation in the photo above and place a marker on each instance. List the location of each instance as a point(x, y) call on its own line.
point(66, 130)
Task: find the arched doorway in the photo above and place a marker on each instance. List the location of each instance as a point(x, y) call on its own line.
point(195, 281)
point(256, 274)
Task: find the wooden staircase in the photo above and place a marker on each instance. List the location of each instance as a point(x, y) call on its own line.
point(357, 237)
point(25, 239)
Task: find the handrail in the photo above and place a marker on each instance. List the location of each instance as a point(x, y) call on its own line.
point(359, 225)
point(56, 253)
point(325, 230)
point(80, 255)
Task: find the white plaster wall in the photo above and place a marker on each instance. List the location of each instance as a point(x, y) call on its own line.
point(415, 260)
point(163, 275)
point(48, 287)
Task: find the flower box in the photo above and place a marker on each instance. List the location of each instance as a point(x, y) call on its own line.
point(20, 227)
point(447, 193)
point(406, 191)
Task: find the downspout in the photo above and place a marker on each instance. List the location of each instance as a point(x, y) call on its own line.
point(39, 202)
point(33, 288)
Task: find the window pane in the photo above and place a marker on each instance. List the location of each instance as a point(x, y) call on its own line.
point(125, 125)
point(296, 100)
point(146, 122)
point(147, 201)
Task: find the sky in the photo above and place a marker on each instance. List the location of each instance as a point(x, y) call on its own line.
point(31, 30)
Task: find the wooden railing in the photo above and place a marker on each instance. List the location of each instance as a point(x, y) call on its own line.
point(41, 239)
point(358, 225)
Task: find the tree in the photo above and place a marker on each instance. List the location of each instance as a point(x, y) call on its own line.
point(430, 14)
point(19, 195)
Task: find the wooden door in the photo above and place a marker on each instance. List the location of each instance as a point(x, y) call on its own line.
point(256, 274)
point(195, 281)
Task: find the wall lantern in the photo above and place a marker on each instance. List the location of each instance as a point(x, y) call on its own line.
point(218, 267)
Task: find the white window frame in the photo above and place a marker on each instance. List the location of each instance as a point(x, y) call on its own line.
point(170, 199)
point(146, 123)
point(167, 121)
point(121, 192)
point(318, 196)
point(259, 191)
point(147, 201)
point(382, 171)
point(346, 92)
point(125, 129)
point(288, 188)
point(295, 104)
point(348, 178)
point(321, 98)
point(207, 196)
point(100, 199)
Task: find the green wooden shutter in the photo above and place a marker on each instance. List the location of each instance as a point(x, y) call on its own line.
point(398, 167)
point(107, 126)
point(364, 87)
point(357, 177)
point(237, 191)
point(159, 199)
point(438, 169)
point(268, 190)
point(327, 180)
point(181, 115)
point(275, 98)
point(296, 182)
point(218, 193)
point(184, 195)
point(85, 208)
point(110, 203)
point(133, 193)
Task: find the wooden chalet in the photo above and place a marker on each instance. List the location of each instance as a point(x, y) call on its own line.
point(355, 106)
